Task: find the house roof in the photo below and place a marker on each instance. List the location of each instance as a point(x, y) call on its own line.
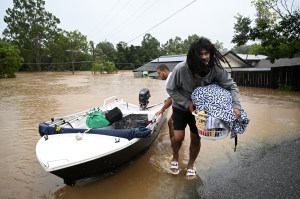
point(236, 58)
point(252, 57)
point(152, 66)
point(278, 63)
point(170, 58)
point(250, 69)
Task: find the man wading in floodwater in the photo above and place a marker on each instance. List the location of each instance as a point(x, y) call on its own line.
point(201, 68)
point(164, 73)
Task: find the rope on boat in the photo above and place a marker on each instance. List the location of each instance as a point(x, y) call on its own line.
point(79, 136)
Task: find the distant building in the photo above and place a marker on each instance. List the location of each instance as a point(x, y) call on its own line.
point(252, 59)
point(282, 62)
point(171, 61)
point(246, 70)
point(283, 72)
point(234, 60)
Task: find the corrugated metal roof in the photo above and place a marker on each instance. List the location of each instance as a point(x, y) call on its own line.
point(170, 58)
point(278, 63)
point(250, 69)
point(252, 57)
point(152, 66)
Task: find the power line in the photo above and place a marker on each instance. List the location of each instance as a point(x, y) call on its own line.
point(139, 12)
point(116, 15)
point(103, 19)
point(162, 21)
point(57, 63)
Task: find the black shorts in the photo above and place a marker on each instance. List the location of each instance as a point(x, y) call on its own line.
point(182, 118)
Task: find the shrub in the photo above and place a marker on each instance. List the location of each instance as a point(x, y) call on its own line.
point(10, 60)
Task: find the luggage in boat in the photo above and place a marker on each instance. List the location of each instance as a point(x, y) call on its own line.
point(114, 115)
point(96, 119)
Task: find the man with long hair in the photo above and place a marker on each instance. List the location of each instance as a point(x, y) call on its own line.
point(202, 67)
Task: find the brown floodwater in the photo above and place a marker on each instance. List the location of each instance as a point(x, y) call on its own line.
point(31, 98)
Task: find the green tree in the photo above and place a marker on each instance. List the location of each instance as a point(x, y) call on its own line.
point(110, 67)
point(243, 49)
point(277, 27)
point(105, 50)
point(77, 46)
point(134, 57)
point(10, 59)
point(29, 26)
point(187, 42)
point(173, 47)
point(95, 67)
point(219, 45)
point(92, 50)
point(259, 49)
point(57, 52)
point(103, 66)
point(128, 57)
point(122, 51)
point(150, 48)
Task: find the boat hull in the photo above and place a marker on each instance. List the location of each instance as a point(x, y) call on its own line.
point(73, 152)
point(105, 165)
point(110, 163)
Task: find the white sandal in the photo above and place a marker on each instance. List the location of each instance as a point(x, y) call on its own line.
point(174, 166)
point(191, 173)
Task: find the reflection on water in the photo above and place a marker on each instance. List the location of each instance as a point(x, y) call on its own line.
point(35, 97)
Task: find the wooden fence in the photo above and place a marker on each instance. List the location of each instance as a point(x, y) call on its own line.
point(274, 78)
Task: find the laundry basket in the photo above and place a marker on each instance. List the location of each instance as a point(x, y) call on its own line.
point(209, 134)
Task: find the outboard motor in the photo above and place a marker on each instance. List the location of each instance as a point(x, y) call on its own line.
point(144, 96)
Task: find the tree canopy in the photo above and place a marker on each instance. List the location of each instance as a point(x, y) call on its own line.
point(10, 59)
point(45, 47)
point(30, 26)
point(276, 27)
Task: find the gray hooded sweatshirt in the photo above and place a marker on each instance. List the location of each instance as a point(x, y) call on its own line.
point(182, 83)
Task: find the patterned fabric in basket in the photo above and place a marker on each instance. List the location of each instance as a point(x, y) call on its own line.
point(217, 102)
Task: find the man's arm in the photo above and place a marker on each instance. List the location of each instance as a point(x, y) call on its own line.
point(167, 104)
point(174, 83)
point(230, 85)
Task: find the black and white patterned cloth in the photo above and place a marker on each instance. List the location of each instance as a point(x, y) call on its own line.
point(217, 102)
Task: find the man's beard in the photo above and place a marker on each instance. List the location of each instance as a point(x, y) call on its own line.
point(204, 69)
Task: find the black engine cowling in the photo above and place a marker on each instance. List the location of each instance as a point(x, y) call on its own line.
point(144, 96)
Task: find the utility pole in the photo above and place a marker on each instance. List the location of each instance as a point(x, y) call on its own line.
point(72, 57)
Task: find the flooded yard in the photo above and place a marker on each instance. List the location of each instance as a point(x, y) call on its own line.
point(35, 97)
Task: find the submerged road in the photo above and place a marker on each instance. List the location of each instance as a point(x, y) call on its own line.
point(276, 174)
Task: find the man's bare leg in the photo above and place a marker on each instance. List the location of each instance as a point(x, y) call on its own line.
point(171, 129)
point(176, 143)
point(195, 146)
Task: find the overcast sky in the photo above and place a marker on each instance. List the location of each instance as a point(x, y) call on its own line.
point(129, 20)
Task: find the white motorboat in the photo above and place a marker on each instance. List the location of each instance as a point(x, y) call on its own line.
point(68, 148)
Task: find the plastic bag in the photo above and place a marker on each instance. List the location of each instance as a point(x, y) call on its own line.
point(96, 119)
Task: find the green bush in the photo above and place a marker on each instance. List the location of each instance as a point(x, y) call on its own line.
point(103, 66)
point(10, 60)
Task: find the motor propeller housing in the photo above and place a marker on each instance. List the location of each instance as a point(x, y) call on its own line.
point(144, 96)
